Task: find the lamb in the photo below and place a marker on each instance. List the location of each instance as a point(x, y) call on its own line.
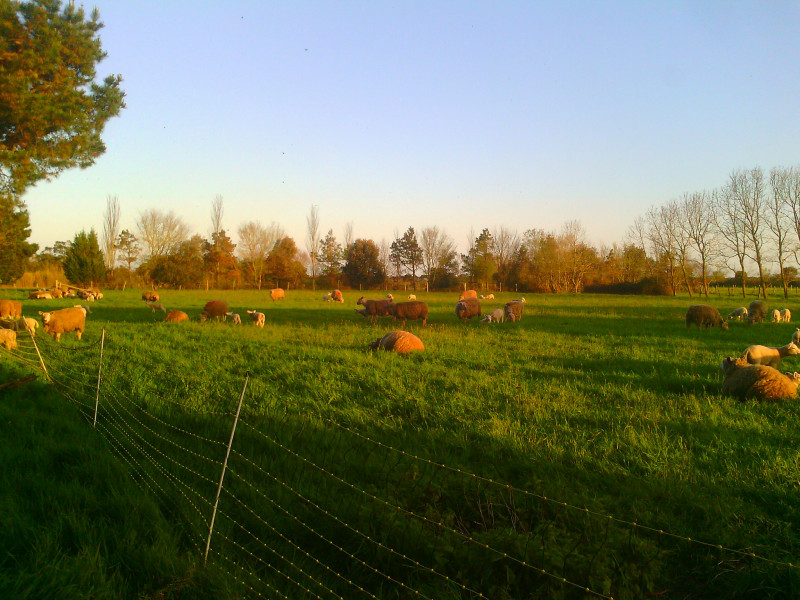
point(513, 310)
point(176, 316)
point(496, 316)
point(468, 308)
point(738, 314)
point(412, 296)
point(743, 381)
point(154, 306)
point(468, 294)
point(796, 337)
point(786, 316)
point(703, 314)
point(776, 315)
point(10, 308)
point(336, 295)
point(85, 308)
point(390, 297)
point(375, 308)
point(65, 320)
point(277, 294)
point(520, 300)
point(235, 318)
point(757, 311)
point(401, 342)
point(150, 297)
point(8, 339)
point(413, 309)
point(25, 324)
point(258, 318)
point(488, 297)
point(765, 355)
point(327, 297)
point(215, 309)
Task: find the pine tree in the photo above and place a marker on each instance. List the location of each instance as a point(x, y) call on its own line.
point(407, 252)
point(14, 249)
point(84, 262)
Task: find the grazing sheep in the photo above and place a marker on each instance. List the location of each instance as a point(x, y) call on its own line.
point(154, 306)
point(8, 339)
point(65, 320)
point(277, 294)
point(390, 297)
point(738, 314)
point(513, 310)
point(375, 308)
point(401, 342)
point(743, 381)
point(235, 318)
point(414, 309)
point(757, 311)
point(468, 294)
point(23, 324)
point(258, 318)
point(765, 355)
point(215, 309)
point(703, 314)
point(150, 297)
point(10, 308)
point(468, 308)
point(40, 295)
point(496, 316)
point(786, 316)
point(176, 316)
point(412, 296)
point(327, 297)
point(336, 295)
point(776, 315)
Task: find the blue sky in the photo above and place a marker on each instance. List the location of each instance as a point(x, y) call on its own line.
point(463, 115)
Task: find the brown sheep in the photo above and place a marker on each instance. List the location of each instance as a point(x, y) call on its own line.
point(336, 296)
point(8, 339)
point(216, 309)
point(150, 297)
point(176, 316)
point(468, 308)
point(757, 311)
point(468, 294)
point(414, 309)
point(401, 342)
point(374, 308)
point(703, 314)
point(56, 293)
point(743, 381)
point(10, 308)
point(277, 294)
point(64, 321)
point(513, 310)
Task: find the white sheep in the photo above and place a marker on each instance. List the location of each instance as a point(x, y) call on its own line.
point(257, 317)
point(786, 315)
point(496, 316)
point(765, 355)
point(412, 296)
point(390, 297)
point(26, 324)
point(519, 300)
point(234, 317)
point(154, 306)
point(776, 315)
point(738, 313)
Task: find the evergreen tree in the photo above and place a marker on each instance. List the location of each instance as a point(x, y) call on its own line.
point(330, 257)
point(181, 268)
point(363, 264)
point(218, 255)
point(283, 264)
point(129, 248)
point(407, 252)
point(14, 231)
point(84, 261)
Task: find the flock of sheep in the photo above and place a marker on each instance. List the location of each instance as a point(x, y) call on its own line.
point(754, 374)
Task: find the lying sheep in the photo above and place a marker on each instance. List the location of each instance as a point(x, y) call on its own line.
point(743, 381)
point(40, 295)
point(468, 308)
point(154, 306)
point(56, 293)
point(374, 308)
point(10, 309)
point(703, 314)
point(785, 316)
point(215, 309)
point(738, 314)
point(235, 318)
point(487, 297)
point(65, 320)
point(401, 342)
point(336, 295)
point(277, 294)
point(176, 316)
point(8, 339)
point(413, 309)
point(468, 294)
point(757, 311)
point(765, 355)
point(258, 318)
point(496, 316)
point(513, 310)
point(150, 297)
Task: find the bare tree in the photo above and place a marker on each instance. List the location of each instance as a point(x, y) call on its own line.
point(437, 249)
point(384, 257)
point(696, 223)
point(506, 246)
point(255, 244)
point(780, 222)
point(312, 242)
point(578, 256)
point(661, 233)
point(729, 222)
point(110, 231)
point(348, 236)
point(216, 214)
point(161, 233)
point(791, 196)
point(747, 190)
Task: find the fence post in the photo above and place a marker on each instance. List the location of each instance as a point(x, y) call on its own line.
point(224, 466)
point(99, 371)
point(36, 347)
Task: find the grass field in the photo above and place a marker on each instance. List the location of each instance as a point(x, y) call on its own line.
point(589, 426)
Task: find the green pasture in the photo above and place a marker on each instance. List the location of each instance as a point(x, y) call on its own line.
point(603, 403)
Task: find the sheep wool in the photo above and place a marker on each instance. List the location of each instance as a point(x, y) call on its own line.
point(757, 311)
point(65, 320)
point(8, 339)
point(703, 314)
point(176, 316)
point(468, 308)
point(277, 294)
point(401, 342)
point(10, 309)
point(765, 355)
point(760, 382)
point(413, 309)
point(468, 294)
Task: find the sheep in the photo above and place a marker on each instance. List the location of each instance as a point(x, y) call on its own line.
point(150, 297)
point(743, 381)
point(277, 294)
point(336, 295)
point(88, 295)
point(40, 295)
point(390, 297)
point(8, 339)
point(496, 316)
point(374, 308)
point(776, 315)
point(738, 314)
point(786, 316)
point(176, 316)
point(85, 308)
point(412, 296)
point(56, 293)
point(468, 294)
point(414, 309)
point(757, 311)
point(513, 310)
point(25, 324)
point(327, 297)
point(703, 314)
point(235, 318)
point(65, 320)
point(796, 337)
point(468, 308)
point(487, 297)
point(401, 342)
point(215, 309)
point(519, 300)
point(10, 308)
point(154, 306)
point(765, 355)
point(258, 318)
